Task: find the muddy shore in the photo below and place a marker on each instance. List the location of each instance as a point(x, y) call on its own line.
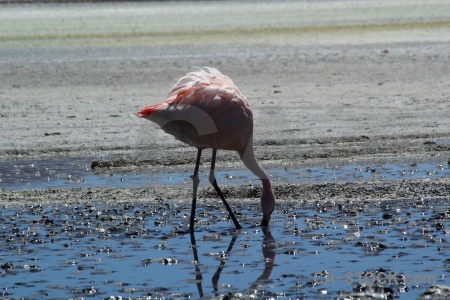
point(321, 95)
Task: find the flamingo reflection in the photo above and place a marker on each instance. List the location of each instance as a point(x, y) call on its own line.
point(268, 250)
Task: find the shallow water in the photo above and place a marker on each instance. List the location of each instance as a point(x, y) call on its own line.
point(77, 172)
point(321, 250)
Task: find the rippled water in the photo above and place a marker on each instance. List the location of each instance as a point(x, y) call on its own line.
point(389, 249)
point(77, 172)
point(384, 249)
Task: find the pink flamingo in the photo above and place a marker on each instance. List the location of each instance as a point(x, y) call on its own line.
point(206, 110)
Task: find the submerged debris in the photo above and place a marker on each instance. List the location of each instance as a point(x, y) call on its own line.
point(436, 292)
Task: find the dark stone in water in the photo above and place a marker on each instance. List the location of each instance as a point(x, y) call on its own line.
point(7, 266)
point(387, 216)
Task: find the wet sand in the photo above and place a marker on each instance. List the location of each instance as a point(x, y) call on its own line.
point(332, 87)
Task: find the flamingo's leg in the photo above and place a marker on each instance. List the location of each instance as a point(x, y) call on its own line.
point(213, 181)
point(196, 181)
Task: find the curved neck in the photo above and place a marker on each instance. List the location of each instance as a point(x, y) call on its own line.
point(267, 195)
point(249, 160)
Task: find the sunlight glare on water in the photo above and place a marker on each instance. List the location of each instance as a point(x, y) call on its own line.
point(382, 249)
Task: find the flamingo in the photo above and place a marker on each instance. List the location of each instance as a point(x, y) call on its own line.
point(206, 110)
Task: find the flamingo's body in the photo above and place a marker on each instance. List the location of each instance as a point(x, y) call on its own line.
point(206, 110)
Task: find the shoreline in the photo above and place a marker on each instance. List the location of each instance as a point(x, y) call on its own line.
point(396, 190)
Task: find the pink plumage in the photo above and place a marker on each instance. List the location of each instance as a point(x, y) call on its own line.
point(206, 109)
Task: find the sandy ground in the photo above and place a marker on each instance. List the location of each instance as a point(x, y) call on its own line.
point(334, 81)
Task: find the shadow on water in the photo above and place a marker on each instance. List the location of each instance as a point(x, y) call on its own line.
point(390, 249)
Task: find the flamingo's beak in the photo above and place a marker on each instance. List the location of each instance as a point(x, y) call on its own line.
point(265, 221)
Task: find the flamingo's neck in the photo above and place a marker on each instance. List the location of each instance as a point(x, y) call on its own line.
point(267, 195)
point(267, 200)
point(249, 160)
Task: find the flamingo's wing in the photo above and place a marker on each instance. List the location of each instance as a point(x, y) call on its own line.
point(207, 102)
point(206, 89)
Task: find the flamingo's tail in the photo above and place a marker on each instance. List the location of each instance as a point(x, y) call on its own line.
point(148, 110)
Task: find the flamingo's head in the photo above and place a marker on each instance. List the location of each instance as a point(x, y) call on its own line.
point(267, 202)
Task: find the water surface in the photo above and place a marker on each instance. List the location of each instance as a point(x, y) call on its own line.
point(390, 249)
point(76, 172)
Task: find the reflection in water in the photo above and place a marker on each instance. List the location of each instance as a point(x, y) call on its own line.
point(138, 250)
point(269, 248)
point(198, 274)
point(215, 278)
